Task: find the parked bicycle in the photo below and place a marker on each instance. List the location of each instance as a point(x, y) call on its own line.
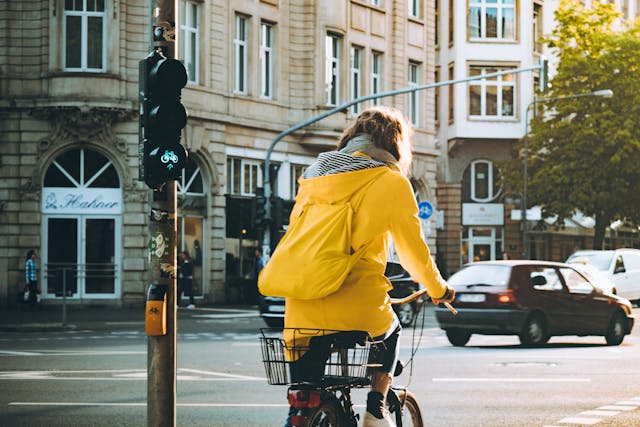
point(323, 399)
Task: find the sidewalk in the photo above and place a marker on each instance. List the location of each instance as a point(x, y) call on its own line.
point(89, 317)
point(52, 318)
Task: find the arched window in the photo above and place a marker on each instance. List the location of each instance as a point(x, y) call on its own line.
point(192, 208)
point(82, 169)
point(480, 182)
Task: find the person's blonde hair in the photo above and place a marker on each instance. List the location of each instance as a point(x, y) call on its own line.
point(388, 129)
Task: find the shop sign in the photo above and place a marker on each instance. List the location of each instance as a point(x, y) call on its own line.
point(82, 200)
point(482, 214)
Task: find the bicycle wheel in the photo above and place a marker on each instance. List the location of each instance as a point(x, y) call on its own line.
point(404, 408)
point(328, 414)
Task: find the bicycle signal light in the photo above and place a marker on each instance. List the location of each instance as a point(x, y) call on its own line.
point(162, 118)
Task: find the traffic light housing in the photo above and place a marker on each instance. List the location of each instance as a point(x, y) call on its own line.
point(543, 77)
point(259, 209)
point(162, 118)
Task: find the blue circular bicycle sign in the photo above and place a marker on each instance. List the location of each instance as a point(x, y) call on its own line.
point(425, 210)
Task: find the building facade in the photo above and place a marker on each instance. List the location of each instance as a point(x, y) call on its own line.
point(69, 182)
point(479, 124)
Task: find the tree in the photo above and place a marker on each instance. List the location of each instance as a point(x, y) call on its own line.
point(584, 152)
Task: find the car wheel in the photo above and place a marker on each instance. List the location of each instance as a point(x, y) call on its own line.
point(458, 337)
point(534, 331)
point(406, 314)
point(617, 328)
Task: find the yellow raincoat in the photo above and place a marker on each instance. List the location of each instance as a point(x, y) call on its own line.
point(386, 209)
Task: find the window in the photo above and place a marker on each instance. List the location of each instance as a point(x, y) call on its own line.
point(414, 81)
point(296, 172)
point(376, 75)
point(451, 95)
point(243, 176)
point(266, 60)
point(545, 279)
point(451, 23)
point(492, 97)
point(414, 8)
point(332, 69)
point(356, 76)
point(436, 30)
point(376, 2)
point(190, 38)
point(492, 19)
point(240, 47)
point(576, 283)
point(480, 182)
point(84, 35)
point(436, 102)
point(82, 169)
point(537, 28)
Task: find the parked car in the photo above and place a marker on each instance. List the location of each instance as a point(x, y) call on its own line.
point(272, 308)
point(622, 266)
point(534, 300)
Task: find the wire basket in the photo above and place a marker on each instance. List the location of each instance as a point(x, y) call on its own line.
point(322, 357)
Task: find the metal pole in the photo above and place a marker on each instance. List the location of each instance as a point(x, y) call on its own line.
point(345, 106)
point(64, 296)
point(161, 349)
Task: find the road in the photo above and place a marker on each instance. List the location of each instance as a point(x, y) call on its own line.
point(98, 378)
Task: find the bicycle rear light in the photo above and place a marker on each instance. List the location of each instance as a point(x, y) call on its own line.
point(304, 398)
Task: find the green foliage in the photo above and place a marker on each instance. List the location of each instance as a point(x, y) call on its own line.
point(584, 152)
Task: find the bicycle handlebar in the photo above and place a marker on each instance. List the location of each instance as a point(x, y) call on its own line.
point(414, 296)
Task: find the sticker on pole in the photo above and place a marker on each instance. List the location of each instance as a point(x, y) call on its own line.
point(159, 245)
point(425, 210)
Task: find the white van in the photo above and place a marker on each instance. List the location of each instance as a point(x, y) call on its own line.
point(621, 265)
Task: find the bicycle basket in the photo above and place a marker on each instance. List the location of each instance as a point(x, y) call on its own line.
point(330, 357)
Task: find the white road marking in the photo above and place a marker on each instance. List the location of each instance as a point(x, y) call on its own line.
point(600, 413)
point(580, 420)
point(122, 375)
point(617, 408)
point(514, 380)
point(17, 353)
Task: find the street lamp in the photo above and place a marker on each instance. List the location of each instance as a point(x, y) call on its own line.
point(604, 93)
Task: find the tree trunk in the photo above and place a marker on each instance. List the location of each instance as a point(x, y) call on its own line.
point(602, 222)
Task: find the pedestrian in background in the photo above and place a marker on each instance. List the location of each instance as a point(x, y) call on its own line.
point(31, 277)
point(185, 279)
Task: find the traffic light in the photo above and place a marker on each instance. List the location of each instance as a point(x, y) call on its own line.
point(259, 209)
point(543, 78)
point(162, 118)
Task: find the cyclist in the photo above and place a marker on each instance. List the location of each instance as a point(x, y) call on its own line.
point(370, 168)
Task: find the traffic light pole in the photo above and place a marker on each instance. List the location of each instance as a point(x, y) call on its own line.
point(161, 348)
point(542, 66)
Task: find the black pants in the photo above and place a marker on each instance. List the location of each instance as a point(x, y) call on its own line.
point(32, 287)
point(185, 285)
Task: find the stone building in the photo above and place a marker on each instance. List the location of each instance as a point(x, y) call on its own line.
point(69, 182)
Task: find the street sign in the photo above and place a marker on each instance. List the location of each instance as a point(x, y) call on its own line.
point(425, 210)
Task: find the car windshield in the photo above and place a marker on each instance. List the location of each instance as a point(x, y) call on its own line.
point(600, 260)
point(481, 275)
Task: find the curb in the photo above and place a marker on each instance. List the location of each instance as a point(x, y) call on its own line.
point(37, 327)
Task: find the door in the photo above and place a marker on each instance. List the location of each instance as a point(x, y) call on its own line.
point(80, 257)
point(482, 244)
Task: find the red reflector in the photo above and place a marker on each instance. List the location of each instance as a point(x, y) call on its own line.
point(298, 421)
point(304, 398)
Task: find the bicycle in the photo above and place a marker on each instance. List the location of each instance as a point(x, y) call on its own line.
point(325, 399)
